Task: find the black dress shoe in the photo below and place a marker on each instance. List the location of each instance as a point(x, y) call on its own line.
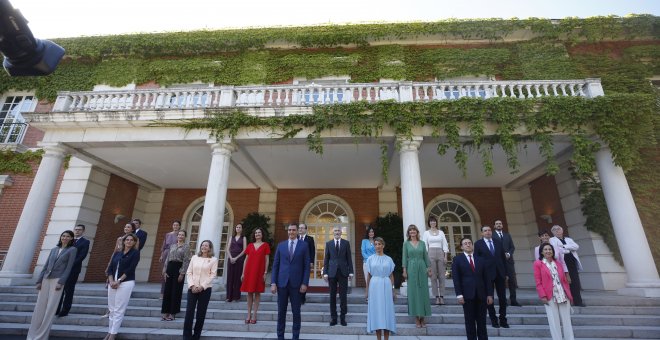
point(504, 324)
point(343, 322)
point(333, 322)
point(494, 323)
point(62, 314)
point(516, 304)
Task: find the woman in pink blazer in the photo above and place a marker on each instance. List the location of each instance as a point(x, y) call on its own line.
point(554, 291)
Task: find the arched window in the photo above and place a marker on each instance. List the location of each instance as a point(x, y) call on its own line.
point(321, 215)
point(194, 221)
point(456, 220)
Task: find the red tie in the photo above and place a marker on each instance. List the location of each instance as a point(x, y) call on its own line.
point(471, 263)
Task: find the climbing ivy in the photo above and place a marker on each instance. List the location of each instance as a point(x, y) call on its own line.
point(19, 163)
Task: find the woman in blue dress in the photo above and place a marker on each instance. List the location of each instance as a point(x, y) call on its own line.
point(367, 248)
point(380, 292)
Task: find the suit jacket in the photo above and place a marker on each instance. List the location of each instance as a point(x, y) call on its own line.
point(334, 261)
point(142, 236)
point(82, 247)
point(543, 278)
point(470, 283)
point(507, 243)
point(311, 245)
point(295, 271)
point(495, 264)
point(124, 264)
point(58, 266)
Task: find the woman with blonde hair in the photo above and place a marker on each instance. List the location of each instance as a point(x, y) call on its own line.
point(202, 269)
point(416, 269)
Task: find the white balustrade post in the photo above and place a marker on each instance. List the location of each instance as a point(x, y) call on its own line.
point(412, 202)
point(216, 194)
point(405, 91)
point(594, 88)
point(28, 231)
point(643, 277)
point(227, 97)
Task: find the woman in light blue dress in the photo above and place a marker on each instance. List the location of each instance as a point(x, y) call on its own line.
point(380, 292)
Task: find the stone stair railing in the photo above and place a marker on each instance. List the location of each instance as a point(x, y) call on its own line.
point(315, 94)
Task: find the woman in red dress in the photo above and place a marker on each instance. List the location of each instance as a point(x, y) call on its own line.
point(255, 269)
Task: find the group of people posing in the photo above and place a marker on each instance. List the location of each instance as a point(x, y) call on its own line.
point(484, 267)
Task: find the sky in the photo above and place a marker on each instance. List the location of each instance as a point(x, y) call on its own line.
point(72, 18)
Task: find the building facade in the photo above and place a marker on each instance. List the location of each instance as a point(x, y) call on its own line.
point(134, 156)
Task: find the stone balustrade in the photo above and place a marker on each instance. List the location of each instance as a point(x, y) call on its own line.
point(316, 94)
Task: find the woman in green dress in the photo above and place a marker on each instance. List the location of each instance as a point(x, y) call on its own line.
point(417, 269)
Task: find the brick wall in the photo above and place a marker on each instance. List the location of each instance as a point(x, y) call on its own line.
point(175, 203)
point(119, 200)
point(363, 202)
point(546, 201)
point(32, 137)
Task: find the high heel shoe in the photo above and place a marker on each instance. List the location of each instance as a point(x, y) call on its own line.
point(247, 321)
point(253, 321)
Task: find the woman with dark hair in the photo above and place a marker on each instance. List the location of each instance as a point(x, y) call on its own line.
point(380, 285)
point(235, 254)
point(121, 275)
point(174, 273)
point(367, 248)
point(170, 239)
point(416, 269)
point(255, 269)
point(50, 283)
point(202, 270)
point(438, 248)
point(554, 291)
point(129, 228)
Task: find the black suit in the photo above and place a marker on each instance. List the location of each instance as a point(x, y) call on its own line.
point(496, 268)
point(82, 249)
point(475, 286)
point(142, 236)
point(507, 245)
point(312, 254)
point(338, 266)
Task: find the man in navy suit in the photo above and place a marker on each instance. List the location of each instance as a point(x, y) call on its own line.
point(82, 248)
point(491, 250)
point(141, 234)
point(290, 279)
point(509, 248)
point(337, 270)
point(473, 288)
point(302, 235)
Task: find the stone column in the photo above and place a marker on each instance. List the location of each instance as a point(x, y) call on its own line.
point(412, 202)
point(642, 274)
point(216, 194)
point(26, 237)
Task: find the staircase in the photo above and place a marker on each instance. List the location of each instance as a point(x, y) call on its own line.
point(608, 316)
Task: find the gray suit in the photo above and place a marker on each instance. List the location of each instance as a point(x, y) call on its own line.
point(58, 266)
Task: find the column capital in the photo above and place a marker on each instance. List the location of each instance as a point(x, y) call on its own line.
point(53, 149)
point(410, 143)
point(223, 147)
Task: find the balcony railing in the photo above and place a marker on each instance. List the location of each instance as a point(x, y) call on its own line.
point(314, 94)
point(12, 133)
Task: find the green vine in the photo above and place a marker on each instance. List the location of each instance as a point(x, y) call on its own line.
point(19, 163)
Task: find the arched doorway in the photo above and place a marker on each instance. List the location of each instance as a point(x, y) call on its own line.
point(456, 218)
point(321, 215)
point(193, 223)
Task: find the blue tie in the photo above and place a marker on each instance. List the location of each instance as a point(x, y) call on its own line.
point(290, 250)
point(490, 245)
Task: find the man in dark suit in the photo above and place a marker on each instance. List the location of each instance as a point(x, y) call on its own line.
point(82, 249)
point(474, 290)
point(509, 248)
point(337, 270)
point(290, 279)
point(491, 250)
point(141, 234)
point(302, 236)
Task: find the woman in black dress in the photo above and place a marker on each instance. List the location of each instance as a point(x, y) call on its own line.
point(236, 256)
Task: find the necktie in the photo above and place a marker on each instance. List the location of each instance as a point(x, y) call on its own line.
point(490, 246)
point(337, 246)
point(500, 233)
point(290, 250)
point(471, 262)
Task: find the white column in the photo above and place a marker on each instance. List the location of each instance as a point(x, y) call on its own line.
point(412, 202)
point(26, 237)
point(216, 194)
point(642, 275)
